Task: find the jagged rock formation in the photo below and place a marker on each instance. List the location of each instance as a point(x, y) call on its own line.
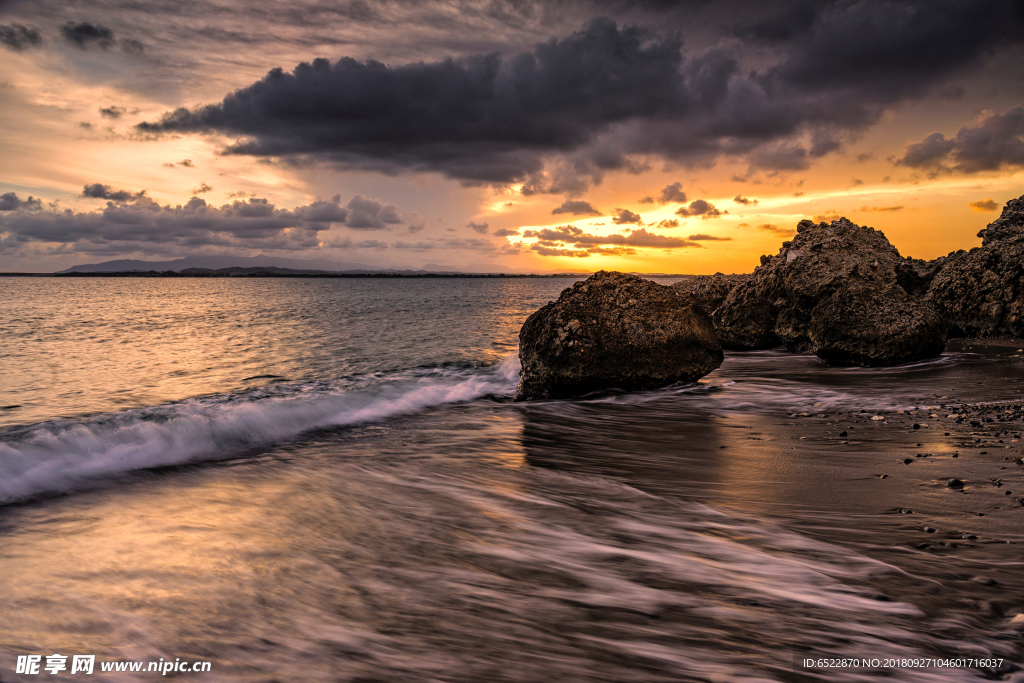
point(615, 331)
point(979, 293)
point(839, 290)
point(709, 290)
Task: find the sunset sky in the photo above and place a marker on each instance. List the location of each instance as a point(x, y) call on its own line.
point(650, 136)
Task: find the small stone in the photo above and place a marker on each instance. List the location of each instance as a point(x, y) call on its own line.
point(984, 580)
point(907, 461)
point(877, 418)
point(883, 476)
point(955, 483)
point(930, 530)
point(844, 434)
point(916, 426)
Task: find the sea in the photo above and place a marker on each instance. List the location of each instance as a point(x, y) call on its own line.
point(328, 480)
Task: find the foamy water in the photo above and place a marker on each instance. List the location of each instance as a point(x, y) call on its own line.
point(327, 481)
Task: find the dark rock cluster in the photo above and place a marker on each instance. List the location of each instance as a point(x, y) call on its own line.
point(615, 330)
point(709, 290)
point(979, 293)
point(839, 290)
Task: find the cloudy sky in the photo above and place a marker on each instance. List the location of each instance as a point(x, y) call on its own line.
point(642, 135)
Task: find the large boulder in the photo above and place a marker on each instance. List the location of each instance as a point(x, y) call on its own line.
point(980, 292)
point(709, 290)
point(618, 331)
point(864, 325)
point(839, 290)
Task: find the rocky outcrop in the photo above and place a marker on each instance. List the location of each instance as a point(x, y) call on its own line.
point(867, 325)
point(615, 331)
point(980, 293)
point(839, 290)
point(709, 290)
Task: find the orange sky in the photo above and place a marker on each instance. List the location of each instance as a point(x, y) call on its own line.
point(57, 139)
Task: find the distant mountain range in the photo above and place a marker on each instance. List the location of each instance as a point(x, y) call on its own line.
point(294, 264)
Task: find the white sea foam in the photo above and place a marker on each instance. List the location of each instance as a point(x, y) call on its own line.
point(55, 456)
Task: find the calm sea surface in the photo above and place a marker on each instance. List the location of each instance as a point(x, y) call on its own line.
point(326, 480)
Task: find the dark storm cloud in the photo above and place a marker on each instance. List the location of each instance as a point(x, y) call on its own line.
point(992, 143)
point(781, 24)
point(699, 207)
point(11, 202)
point(672, 193)
point(99, 191)
point(18, 37)
point(576, 208)
point(606, 92)
point(85, 35)
point(371, 214)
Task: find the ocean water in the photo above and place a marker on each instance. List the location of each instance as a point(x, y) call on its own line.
point(326, 480)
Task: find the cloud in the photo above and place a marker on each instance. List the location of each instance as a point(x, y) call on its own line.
point(552, 251)
point(740, 199)
point(672, 193)
point(781, 156)
point(203, 188)
point(85, 35)
point(984, 205)
point(11, 202)
point(18, 37)
point(608, 96)
point(187, 163)
point(112, 112)
point(701, 237)
point(666, 223)
point(570, 234)
point(132, 47)
point(481, 228)
point(371, 214)
point(882, 208)
point(142, 223)
point(700, 207)
point(477, 118)
point(416, 222)
point(505, 232)
point(576, 208)
point(994, 142)
point(772, 229)
point(646, 200)
point(625, 217)
point(99, 191)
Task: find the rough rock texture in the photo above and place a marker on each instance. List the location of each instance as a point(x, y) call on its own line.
point(709, 290)
point(615, 331)
point(865, 325)
point(839, 290)
point(1010, 224)
point(979, 292)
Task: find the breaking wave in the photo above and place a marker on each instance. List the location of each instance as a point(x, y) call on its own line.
point(55, 456)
